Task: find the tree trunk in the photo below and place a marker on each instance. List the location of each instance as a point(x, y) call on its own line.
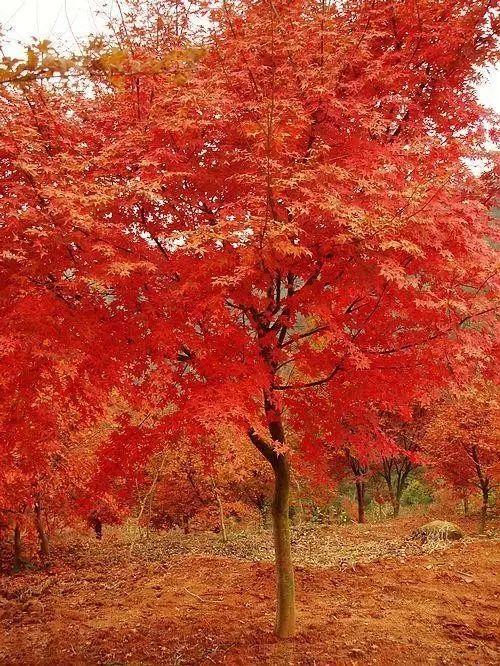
point(42, 536)
point(221, 513)
point(263, 510)
point(18, 548)
point(484, 511)
point(399, 492)
point(285, 578)
point(98, 528)
point(185, 521)
point(394, 497)
point(394, 502)
point(360, 497)
point(484, 484)
point(285, 616)
point(466, 506)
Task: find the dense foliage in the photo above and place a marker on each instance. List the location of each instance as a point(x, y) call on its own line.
point(256, 218)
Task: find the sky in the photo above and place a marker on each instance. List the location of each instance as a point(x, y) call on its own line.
point(67, 20)
point(53, 19)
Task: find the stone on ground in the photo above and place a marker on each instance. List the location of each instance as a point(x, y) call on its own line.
point(438, 530)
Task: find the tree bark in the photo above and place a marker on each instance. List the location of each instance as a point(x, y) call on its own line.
point(466, 506)
point(285, 616)
point(360, 497)
point(484, 511)
point(394, 502)
point(42, 535)
point(399, 493)
point(185, 522)
point(221, 512)
point(18, 548)
point(263, 510)
point(285, 577)
point(387, 476)
point(484, 484)
point(98, 528)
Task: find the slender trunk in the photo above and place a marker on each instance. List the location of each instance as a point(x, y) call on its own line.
point(394, 498)
point(466, 506)
point(262, 507)
point(98, 528)
point(484, 511)
point(18, 548)
point(221, 512)
point(185, 521)
point(360, 497)
point(394, 502)
point(484, 484)
point(285, 617)
point(399, 492)
point(42, 535)
point(285, 578)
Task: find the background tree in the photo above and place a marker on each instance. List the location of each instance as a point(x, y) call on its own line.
point(402, 457)
point(462, 440)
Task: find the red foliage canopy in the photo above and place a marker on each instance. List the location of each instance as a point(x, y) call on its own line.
point(279, 229)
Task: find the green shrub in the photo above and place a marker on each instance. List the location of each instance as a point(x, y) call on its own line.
point(416, 492)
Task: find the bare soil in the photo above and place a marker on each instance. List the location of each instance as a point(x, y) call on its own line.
point(366, 595)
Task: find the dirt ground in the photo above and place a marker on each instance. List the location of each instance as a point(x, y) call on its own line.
point(366, 595)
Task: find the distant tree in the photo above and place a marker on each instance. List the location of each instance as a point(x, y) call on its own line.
point(462, 441)
point(401, 458)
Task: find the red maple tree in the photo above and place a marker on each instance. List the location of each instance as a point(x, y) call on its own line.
point(281, 229)
point(462, 441)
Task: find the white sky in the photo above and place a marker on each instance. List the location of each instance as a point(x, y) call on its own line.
point(52, 19)
point(63, 20)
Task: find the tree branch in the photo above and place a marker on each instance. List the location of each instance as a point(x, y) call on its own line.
point(317, 382)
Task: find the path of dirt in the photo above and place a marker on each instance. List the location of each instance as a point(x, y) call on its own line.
point(438, 607)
